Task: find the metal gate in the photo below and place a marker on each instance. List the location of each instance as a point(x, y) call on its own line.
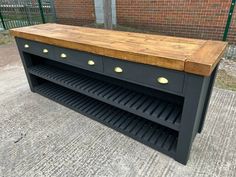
point(18, 13)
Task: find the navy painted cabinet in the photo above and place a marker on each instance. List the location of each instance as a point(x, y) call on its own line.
point(161, 108)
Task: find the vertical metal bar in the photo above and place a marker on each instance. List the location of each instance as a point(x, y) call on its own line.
point(2, 20)
point(27, 15)
point(231, 10)
point(41, 11)
point(15, 21)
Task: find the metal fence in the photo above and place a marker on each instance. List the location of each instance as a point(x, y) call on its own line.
point(18, 13)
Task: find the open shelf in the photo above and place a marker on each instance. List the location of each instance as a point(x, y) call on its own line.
point(157, 110)
point(154, 135)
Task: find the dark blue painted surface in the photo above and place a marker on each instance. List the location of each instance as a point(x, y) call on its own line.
point(133, 93)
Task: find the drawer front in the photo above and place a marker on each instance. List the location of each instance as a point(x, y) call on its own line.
point(81, 59)
point(155, 77)
point(36, 48)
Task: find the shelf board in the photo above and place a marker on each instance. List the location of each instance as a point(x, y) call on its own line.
point(151, 108)
point(154, 135)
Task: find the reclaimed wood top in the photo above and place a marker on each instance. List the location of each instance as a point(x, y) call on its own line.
point(183, 54)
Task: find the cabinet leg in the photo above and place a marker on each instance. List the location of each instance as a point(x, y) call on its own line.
point(191, 115)
point(207, 100)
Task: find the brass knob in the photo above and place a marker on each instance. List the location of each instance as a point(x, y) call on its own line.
point(118, 70)
point(162, 80)
point(91, 62)
point(63, 55)
point(45, 50)
point(26, 46)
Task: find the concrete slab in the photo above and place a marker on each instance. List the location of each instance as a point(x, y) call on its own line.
point(41, 138)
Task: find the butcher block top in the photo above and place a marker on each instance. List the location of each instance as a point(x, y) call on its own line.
point(190, 55)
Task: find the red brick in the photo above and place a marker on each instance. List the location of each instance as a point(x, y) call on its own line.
point(75, 12)
point(196, 19)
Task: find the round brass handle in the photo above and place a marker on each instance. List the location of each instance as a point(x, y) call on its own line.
point(26, 46)
point(118, 69)
point(63, 55)
point(162, 80)
point(91, 62)
point(45, 50)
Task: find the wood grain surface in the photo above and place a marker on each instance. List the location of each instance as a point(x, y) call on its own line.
point(183, 54)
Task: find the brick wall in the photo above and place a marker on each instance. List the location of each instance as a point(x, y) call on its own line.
point(199, 19)
point(75, 12)
point(204, 19)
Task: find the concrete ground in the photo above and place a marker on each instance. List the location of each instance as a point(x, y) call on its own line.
point(39, 137)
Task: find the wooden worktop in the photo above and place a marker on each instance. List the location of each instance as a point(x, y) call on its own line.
point(183, 54)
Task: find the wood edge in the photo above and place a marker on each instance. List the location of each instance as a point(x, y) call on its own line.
point(15, 31)
point(12, 32)
point(204, 69)
point(198, 69)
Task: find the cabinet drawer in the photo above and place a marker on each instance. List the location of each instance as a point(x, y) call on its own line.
point(155, 77)
point(81, 59)
point(36, 48)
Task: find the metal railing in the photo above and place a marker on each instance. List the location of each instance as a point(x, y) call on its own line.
point(18, 13)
